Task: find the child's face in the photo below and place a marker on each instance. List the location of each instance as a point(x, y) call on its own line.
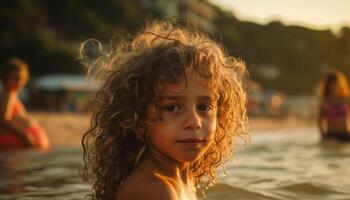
point(16, 80)
point(188, 121)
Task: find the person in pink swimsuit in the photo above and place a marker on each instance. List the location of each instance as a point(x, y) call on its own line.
point(17, 130)
point(334, 112)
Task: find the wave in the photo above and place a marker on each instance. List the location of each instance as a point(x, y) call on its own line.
point(222, 191)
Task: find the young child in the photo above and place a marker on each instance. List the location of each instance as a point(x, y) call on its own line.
point(17, 130)
point(168, 113)
point(334, 112)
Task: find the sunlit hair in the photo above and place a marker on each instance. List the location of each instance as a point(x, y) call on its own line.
point(133, 75)
point(12, 65)
point(337, 77)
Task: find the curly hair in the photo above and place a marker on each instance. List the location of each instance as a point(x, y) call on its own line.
point(133, 73)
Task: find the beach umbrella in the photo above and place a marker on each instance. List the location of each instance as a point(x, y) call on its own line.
point(67, 82)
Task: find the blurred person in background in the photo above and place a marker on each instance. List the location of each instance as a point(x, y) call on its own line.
point(17, 130)
point(333, 119)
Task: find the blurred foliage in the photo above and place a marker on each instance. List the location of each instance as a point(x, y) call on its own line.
point(301, 56)
point(47, 34)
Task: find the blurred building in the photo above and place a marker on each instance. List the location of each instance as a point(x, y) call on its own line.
point(199, 13)
point(61, 92)
point(265, 102)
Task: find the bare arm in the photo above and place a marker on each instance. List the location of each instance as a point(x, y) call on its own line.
point(347, 121)
point(322, 121)
point(6, 103)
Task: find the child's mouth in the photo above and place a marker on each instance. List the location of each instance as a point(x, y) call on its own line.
point(191, 140)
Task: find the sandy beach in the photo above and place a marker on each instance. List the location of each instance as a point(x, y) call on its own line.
point(67, 129)
point(63, 129)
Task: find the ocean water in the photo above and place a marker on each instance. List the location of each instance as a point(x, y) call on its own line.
point(274, 166)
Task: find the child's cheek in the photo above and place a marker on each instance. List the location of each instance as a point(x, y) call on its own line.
point(211, 127)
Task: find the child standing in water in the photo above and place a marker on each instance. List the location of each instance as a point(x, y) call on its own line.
point(334, 108)
point(168, 113)
point(17, 130)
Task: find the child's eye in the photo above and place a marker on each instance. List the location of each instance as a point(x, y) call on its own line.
point(204, 107)
point(172, 108)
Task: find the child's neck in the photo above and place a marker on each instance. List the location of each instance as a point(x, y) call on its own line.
point(168, 166)
point(171, 171)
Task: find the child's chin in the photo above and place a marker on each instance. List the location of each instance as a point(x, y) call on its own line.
point(190, 158)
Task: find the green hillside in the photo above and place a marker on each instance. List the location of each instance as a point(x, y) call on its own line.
point(47, 34)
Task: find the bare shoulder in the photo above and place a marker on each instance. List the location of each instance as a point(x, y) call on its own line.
point(147, 188)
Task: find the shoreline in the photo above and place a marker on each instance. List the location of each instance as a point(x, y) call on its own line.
point(67, 129)
point(261, 124)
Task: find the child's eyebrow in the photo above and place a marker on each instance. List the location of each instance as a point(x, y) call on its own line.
point(205, 98)
point(179, 97)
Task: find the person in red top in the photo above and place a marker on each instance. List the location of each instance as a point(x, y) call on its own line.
point(334, 112)
point(17, 130)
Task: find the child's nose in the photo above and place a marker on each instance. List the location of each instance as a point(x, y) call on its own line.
point(193, 120)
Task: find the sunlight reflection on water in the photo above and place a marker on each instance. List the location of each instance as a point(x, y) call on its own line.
point(293, 165)
point(33, 175)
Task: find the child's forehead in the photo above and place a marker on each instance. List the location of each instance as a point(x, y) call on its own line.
point(188, 82)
